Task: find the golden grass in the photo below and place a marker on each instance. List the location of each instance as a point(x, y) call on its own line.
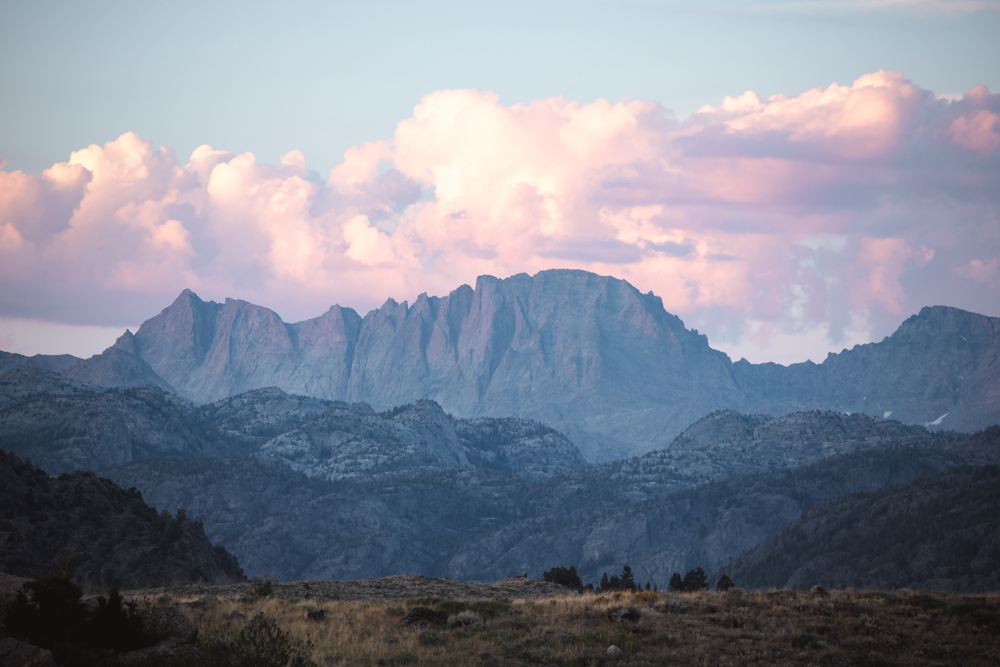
point(777, 627)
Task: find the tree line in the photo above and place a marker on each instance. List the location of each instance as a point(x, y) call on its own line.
point(694, 580)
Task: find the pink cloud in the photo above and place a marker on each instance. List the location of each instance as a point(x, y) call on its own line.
point(796, 215)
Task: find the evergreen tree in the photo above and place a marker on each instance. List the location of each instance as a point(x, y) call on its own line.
point(675, 585)
point(627, 582)
point(604, 582)
point(564, 577)
point(695, 580)
point(725, 583)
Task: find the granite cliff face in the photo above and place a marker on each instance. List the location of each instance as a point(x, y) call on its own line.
point(585, 354)
point(588, 355)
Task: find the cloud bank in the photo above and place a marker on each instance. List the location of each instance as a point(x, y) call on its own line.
point(781, 227)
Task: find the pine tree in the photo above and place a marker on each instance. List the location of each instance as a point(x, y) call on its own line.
point(675, 585)
point(604, 582)
point(725, 583)
point(627, 582)
point(695, 580)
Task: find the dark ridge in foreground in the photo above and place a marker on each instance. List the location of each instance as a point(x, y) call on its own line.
point(107, 535)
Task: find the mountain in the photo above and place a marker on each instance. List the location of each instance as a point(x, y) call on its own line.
point(91, 429)
point(655, 512)
point(64, 425)
point(940, 532)
point(52, 362)
point(587, 355)
point(109, 536)
point(25, 381)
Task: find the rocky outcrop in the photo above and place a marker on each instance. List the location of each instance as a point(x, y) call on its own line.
point(21, 654)
point(588, 355)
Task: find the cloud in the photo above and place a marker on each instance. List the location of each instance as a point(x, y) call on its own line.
point(824, 217)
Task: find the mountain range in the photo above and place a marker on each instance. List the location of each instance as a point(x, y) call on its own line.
point(561, 419)
point(300, 488)
point(587, 355)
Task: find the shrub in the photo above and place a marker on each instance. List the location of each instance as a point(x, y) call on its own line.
point(263, 644)
point(262, 588)
point(465, 619)
point(49, 613)
point(647, 598)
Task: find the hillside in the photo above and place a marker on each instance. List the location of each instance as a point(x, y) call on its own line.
point(109, 536)
point(940, 532)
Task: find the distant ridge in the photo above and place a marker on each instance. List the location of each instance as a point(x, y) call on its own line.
point(588, 355)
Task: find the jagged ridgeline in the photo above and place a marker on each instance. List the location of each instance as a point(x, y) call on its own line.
point(107, 535)
point(588, 355)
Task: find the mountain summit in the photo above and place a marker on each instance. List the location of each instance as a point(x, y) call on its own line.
point(588, 355)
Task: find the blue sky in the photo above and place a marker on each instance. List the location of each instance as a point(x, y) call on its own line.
point(325, 76)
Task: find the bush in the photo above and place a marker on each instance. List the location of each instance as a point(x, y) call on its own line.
point(263, 644)
point(465, 619)
point(48, 613)
point(262, 588)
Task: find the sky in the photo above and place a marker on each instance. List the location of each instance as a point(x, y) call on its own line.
point(792, 178)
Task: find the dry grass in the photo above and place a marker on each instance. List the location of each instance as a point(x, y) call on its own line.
point(774, 628)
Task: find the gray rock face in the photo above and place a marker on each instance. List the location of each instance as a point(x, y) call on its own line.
point(588, 355)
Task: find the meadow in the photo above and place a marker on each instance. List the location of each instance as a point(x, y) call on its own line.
point(778, 627)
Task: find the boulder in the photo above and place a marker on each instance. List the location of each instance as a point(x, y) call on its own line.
point(21, 654)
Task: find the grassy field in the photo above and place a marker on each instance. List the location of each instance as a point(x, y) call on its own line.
point(776, 628)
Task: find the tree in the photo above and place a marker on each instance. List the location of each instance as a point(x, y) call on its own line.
point(604, 582)
point(564, 577)
point(627, 582)
point(695, 580)
point(675, 585)
point(725, 583)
